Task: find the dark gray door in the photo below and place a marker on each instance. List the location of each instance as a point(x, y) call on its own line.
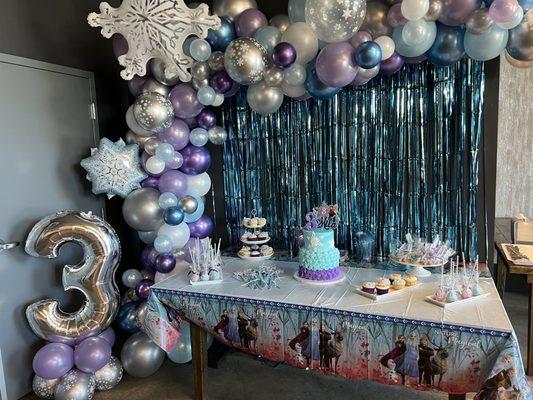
point(47, 125)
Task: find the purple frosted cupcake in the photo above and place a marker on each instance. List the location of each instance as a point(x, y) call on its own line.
point(369, 287)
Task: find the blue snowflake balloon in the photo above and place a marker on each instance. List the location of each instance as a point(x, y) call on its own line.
point(114, 168)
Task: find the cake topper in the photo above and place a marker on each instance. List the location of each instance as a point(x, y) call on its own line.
point(323, 217)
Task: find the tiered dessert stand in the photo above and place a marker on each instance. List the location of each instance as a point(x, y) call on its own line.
point(255, 240)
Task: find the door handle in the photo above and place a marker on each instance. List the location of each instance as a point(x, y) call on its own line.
point(7, 246)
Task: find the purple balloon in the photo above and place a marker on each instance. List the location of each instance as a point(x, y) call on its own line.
point(120, 45)
point(173, 182)
point(457, 12)
point(176, 162)
point(143, 288)
point(335, 65)
point(206, 119)
point(192, 123)
point(284, 55)
point(391, 65)
point(177, 135)
point(221, 82)
point(184, 101)
point(165, 263)
point(136, 83)
point(249, 21)
point(359, 38)
point(196, 160)
point(53, 360)
point(395, 17)
point(148, 256)
point(109, 336)
point(150, 182)
point(92, 354)
point(201, 228)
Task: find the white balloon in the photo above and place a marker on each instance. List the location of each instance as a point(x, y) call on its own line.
point(219, 99)
point(414, 9)
point(198, 185)
point(155, 165)
point(178, 233)
point(387, 46)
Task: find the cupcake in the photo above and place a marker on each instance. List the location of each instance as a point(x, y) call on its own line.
point(262, 236)
point(382, 281)
point(411, 280)
point(398, 284)
point(369, 287)
point(246, 221)
point(265, 250)
point(382, 288)
point(255, 253)
point(261, 221)
point(245, 237)
point(393, 277)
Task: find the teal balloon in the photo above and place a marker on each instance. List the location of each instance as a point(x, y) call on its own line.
point(448, 47)
point(424, 44)
point(163, 243)
point(297, 10)
point(315, 87)
point(486, 46)
point(269, 37)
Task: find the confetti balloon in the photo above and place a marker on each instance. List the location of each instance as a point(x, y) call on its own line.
point(44, 388)
point(245, 60)
point(75, 385)
point(109, 375)
point(153, 112)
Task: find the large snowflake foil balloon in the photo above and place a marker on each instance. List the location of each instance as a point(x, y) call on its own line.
point(154, 29)
point(114, 168)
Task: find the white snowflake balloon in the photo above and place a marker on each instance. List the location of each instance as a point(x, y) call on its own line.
point(114, 168)
point(154, 29)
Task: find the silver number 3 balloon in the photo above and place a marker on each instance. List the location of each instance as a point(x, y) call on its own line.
point(94, 276)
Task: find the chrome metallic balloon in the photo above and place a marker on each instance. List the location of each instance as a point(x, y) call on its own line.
point(94, 276)
point(518, 63)
point(151, 144)
point(520, 44)
point(217, 135)
point(281, 22)
point(435, 8)
point(75, 385)
point(141, 210)
point(159, 70)
point(479, 21)
point(188, 204)
point(140, 313)
point(245, 60)
point(200, 70)
point(153, 112)
point(264, 99)
point(232, 8)
point(153, 86)
point(131, 277)
point(274, 76)
point(216, 61)
point(200, 83)
point(44, 388)
point(140, 356)
point(109, 376)
point(376, 19)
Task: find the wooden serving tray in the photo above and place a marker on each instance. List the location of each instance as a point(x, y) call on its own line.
point(392, 292)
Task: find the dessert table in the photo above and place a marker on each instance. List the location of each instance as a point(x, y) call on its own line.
point(399, 340)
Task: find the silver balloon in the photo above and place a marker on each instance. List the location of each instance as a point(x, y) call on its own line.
point(94, 276)
point(376, 19)
point(295, 75)
point(44, 388)
point(159, 73)
point(216, 61)
point(264, 99)
point(520, 44)
point(141, 210)
point(153, 112)
point(281, 22)
point(274, 76)
point(188, 204)
point(232, 8)
point(109, 375)
point(151, 144)
point(134, 125)
point(131, 137)
point(153, 86)
point(479, 21)
point(268, 37)
point(518, 63)
point(435, 8)
point(200, 70)
point(140, 356)
point(75, 385)
point(245, 60)
point(293, 90)
point(200, 83)
point(140, 313)
point(131, 277)
point(217, 135)
point(333, 20)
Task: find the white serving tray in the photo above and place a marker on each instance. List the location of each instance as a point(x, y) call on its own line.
point(392, 292)
point(256, 241)
point(209, 282)
point(260, 258)
point(431, 300)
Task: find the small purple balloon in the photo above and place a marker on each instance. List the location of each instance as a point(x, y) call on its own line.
point(53, 360)
point(148, 256)
point(284, 55)
point(143, 288)
point(109, 336)
point(192, 123)
point(150, 182)
point(165, 263)
point(120, 45)
point(206, 119)
point(176, 162)
point(201, 228)
point(184, 101)
point(173, 182)
point(221, 82)
point(196, 160)
point(395, 17)
point(177, 135)
point(335, 65)
point(249, 21)
point(457, 12)
point(92, 354)
point(391, 65)
point(359, 38)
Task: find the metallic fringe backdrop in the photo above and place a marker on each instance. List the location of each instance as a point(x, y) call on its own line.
point(398, 155)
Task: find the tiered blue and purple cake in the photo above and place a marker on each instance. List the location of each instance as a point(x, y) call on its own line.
point(319, 258)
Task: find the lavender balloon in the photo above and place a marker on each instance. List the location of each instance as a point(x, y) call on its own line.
point(335, 64)
point(109, 336)
point(165, 263)
point(92, 354)
point(184, 101)
point(150, 182)
point(53, 360)
point(359, 38)
point(284, 55)
point(391, 65)
point(173, 182)
point(502, 11)
point(201, 228)
point(196, 160)
point(177, 135)
point(249, 21)
point(143, 288)
point(148, 256)
point(395, 17)
point(457, 12)
point(206, 119)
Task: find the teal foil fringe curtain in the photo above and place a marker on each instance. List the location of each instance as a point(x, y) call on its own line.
point(398, 155)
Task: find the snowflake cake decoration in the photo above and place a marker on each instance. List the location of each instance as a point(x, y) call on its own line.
point(114, 168)
point(154, 29)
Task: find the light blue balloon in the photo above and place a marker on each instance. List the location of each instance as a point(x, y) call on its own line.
point(147, 237)
point(206, 95)
point(181, 352)
point(167, 200)
point(165, 151)
point(486, 46)
point(297, 10)
point(428, 32)
point(163, 244)
point(269, 37)
point(195, 216)
point(200, 50)
point(198, 137)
